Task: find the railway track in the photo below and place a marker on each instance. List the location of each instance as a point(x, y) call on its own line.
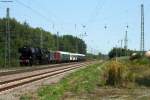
point(34, 68)
point(13, 83)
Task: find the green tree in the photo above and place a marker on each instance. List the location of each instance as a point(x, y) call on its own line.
point(22, 34)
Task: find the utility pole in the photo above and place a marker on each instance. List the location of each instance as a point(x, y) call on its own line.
point(121, 47)
point(116, 53)
point(57, 41)
point(82, 35)
point(53, 27)
point(76, 44)
point(7, 41)
point(121, 43)
point(41, 38)
point(142, 30)
point(75, 27)
point(126, 41)
point(7, 36)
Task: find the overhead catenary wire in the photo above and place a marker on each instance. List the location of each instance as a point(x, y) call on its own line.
point(35, 11)
point(54, 17)
point(90, 20)
point(95, 12)
point(45, 9)
point(92, 16)
point(46, 18)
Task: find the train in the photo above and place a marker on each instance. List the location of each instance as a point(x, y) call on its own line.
point(37, 56)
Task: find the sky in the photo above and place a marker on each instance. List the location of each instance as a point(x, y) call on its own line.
point(63, 15)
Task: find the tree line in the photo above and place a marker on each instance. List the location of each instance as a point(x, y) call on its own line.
point(22, 34)
point(119, 52)
point(98, 56)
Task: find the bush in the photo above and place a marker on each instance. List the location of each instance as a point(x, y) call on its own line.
point(140, 62)
point(115, 73)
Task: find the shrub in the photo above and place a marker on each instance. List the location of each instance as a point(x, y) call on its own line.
point(114, 73)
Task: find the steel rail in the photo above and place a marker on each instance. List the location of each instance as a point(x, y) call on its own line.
point(34, 68)
point(24, 80)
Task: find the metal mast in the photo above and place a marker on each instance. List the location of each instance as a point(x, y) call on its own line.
point(142, 29)
point(41, 38)
point(121, 43)
point(7, 41)
point(7, 36)
point(57, 41)
point(126, 41)
point(75, 26)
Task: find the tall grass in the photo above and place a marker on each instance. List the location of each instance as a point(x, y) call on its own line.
point(125, 72)
point(115, 73)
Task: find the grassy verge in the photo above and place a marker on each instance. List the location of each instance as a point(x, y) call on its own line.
point(81, 81)
point(112, 78)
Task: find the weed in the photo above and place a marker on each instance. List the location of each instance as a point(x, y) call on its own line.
point(115, 73)
point(25, 97)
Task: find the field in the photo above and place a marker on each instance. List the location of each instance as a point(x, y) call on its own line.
point(121, 80)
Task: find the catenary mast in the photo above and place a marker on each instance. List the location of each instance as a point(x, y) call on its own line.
point(142, 30)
